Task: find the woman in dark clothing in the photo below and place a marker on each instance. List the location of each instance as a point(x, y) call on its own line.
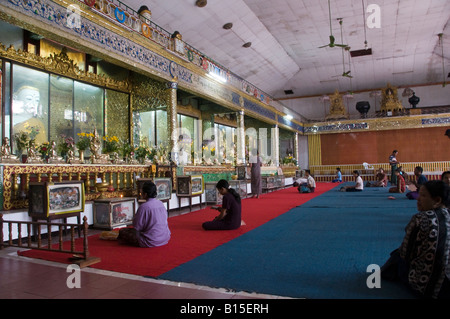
point(230, 212)
point(422, 260)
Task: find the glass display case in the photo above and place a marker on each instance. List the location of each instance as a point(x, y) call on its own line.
point(50, 200)
point(190, 185)
point(163, 187)
point(240, 187)
point(212, 195)
point(268, 183)
point(110, 213)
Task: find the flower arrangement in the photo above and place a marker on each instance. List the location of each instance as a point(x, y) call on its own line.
point(45, 149)
point(127, 149)
point(111, 144)
point(84, 140)
point(289, 160)
point(22, 140)
point(142, 152)
point(161, 154)
point(66, 143)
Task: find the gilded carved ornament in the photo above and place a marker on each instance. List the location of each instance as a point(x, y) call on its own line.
point(59, 63)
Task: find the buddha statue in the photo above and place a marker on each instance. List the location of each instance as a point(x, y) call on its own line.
point(26, 109)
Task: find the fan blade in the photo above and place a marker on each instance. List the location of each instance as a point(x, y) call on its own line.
point(324, 46)
point(341, 45)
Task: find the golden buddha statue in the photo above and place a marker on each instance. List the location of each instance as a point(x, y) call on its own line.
point(337, 107)
point(390, 101)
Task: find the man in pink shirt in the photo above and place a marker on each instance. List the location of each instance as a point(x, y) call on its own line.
point(150, 227)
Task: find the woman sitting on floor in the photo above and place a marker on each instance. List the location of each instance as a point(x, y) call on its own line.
point(230, 212)
point(422, 260)
point(415, 184)
point(401, 185)
point(358, 187)
point(381, 179)
point(150, 228)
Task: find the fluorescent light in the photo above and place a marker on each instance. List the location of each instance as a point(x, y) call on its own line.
point(288, 117)
point(217, 77)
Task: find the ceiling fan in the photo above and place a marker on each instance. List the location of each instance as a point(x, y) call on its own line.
point(332, 39)
point(346, 48)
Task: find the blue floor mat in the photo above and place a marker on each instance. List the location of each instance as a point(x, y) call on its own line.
point(318, 250)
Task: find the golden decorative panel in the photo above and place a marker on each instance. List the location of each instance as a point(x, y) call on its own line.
point(148, 94)
point(117, 115)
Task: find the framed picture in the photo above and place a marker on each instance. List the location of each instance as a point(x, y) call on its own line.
point(47, 199)
point(197, 184)
point(110, 213)
point(163, 187)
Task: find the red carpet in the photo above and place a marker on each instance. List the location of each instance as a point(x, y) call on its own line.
point(188, 240)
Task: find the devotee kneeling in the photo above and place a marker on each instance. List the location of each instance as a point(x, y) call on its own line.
point(150, 227)
point(422, 260)
point(230, 213)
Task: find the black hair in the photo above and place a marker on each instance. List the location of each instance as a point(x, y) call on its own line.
point(149, 188)
point(438, 188)
point(444, 173)
point(420, 169)
point(338, 168)
point(224, 184)
point(356, 172)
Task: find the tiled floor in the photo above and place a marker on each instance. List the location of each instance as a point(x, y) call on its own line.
point(25, 278)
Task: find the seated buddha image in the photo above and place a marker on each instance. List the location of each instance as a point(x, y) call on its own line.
point(26, 111)
point(390, 100)
point(337, 108)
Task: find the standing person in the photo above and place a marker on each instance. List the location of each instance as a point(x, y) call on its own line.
point(230, 213)
point(393, 162)
point(422, 260)
point(255, 173)
point(359, 184)
point(419, 181)
point(401, 185)
point(310, 185)
point(150, 227)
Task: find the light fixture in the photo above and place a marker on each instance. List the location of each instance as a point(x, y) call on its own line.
point(288, 117)
point(201, 3)
point(217, 77)
point(247, 45)
point(228, 26)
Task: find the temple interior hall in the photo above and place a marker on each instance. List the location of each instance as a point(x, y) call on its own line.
point(101, 98)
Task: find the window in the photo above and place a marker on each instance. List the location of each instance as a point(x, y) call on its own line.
point(47, 106)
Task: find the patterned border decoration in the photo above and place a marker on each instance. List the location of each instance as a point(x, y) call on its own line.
point(291, 124)
point(336, 127)
point(438, 120)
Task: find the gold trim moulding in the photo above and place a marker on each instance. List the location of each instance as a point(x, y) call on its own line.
point(376, 124)
point(120, 178)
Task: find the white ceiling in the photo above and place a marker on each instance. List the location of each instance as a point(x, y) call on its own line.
point(286, 34)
